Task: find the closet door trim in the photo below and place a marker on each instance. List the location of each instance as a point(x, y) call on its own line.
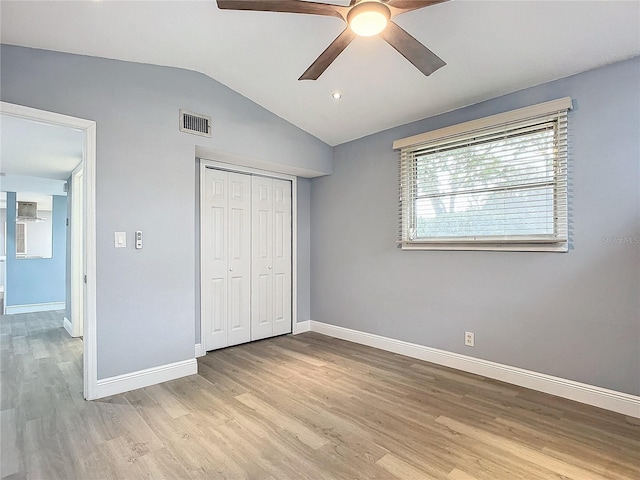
point(204, 164)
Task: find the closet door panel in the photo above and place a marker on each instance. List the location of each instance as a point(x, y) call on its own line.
point(217, 294)
point(279, 306)
point(239, 261)
point(262, 261)
point(214, 278)
point(282, 256)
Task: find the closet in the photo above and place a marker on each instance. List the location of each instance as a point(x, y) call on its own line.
point(246, 249)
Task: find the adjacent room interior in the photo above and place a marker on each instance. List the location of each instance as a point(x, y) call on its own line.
point(250, 240)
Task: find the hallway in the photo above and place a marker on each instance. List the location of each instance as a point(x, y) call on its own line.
point(41, 380)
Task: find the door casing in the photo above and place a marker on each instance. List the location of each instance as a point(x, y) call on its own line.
point(77, 253)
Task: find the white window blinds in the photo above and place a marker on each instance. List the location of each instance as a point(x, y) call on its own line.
point(498, 183)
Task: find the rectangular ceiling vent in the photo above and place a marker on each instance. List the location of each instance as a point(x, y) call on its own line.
point(195, 123)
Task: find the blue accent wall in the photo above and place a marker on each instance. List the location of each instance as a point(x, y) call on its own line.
point(36, 280)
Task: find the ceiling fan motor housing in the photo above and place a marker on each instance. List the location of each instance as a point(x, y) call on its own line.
point(368, 18)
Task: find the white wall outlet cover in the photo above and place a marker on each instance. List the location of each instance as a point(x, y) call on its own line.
point(469, 339)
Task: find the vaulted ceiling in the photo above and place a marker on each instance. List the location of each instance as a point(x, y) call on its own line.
point(491, 48)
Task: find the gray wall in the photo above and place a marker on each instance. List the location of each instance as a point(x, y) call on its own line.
point(574, 315)
point(304, 249)
point(146, 173)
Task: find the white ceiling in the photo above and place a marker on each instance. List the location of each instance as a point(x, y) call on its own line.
point(35, 149)
point(491, 48)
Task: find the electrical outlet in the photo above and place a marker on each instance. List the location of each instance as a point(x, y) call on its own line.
point(469, 339)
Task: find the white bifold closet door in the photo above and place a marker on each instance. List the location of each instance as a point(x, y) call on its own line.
point(271, 270)
point(246, 257)
point(226, 293)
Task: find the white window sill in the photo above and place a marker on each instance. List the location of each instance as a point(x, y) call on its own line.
point(562, 247)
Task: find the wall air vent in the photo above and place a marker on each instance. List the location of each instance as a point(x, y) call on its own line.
point(195, 123)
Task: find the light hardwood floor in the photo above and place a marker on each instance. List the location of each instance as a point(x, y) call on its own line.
point(304, 407)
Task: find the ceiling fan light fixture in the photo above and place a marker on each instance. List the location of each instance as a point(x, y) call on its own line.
point(363, 18)
point(368, 18)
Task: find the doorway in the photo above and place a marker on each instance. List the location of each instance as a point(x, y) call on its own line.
point(83, 277)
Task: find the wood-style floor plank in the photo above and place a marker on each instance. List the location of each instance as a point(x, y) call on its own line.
point(303, 407)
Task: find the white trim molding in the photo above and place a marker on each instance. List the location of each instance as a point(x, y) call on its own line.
point(67, 326)
point(301, 327)
point(76, 257)
point(619, 402)
point(235, 160)
point(199, 350)
point(144, 378)
point(34, 307)
point(506, 117)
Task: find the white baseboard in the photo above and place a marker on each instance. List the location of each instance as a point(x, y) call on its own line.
point(580, 392)
point(34, 307)
point(301, 327)
point(144, 378)
point(199, 351)
point(67, 326)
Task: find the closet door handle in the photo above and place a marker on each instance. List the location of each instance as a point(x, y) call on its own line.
point(269, 267)
point(231, 269)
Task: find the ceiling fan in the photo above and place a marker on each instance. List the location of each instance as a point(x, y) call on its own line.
point(364, 18)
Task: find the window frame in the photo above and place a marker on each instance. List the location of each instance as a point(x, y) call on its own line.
point(553, 112)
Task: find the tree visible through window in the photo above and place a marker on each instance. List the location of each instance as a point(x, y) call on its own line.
point(504, 184)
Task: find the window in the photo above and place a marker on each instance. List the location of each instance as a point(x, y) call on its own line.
point(498, 183)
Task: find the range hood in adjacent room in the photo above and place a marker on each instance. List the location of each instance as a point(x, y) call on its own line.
point(28, 212)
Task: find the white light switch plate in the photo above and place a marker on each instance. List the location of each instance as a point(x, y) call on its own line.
point(120, 239)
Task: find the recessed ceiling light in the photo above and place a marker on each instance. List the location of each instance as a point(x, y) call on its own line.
point(336, 95)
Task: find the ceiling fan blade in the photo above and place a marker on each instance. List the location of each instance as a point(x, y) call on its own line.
point(408, 5)
point(420, 56)
point(286, 6)
point(329, 55)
